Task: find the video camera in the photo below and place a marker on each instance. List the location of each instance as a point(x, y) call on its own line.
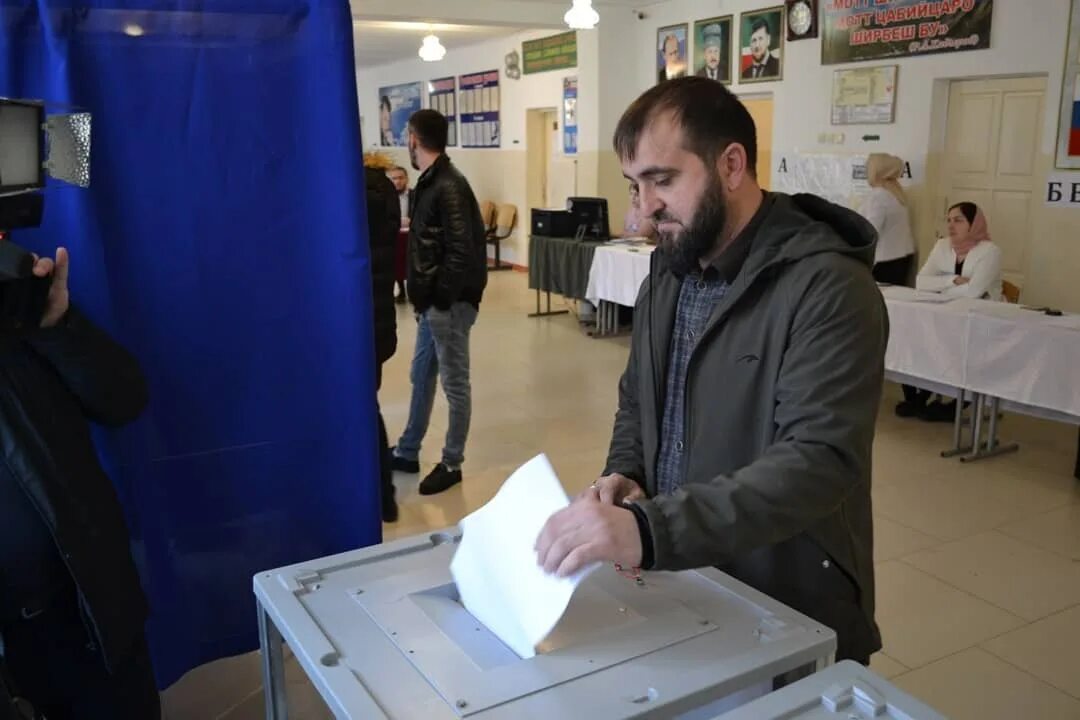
point(33, 146)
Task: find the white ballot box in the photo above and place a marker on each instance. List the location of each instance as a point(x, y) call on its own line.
point(381, 633)
point(846, 691)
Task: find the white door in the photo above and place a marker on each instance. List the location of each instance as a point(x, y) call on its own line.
point(991, 157)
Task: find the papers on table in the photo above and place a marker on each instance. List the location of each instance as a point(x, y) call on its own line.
point(495, 566)
point(905, 294)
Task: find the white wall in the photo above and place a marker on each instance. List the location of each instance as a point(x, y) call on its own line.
point(1023, 42)
point(499, 174)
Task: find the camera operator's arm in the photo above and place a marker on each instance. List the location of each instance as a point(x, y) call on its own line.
point(103, 375)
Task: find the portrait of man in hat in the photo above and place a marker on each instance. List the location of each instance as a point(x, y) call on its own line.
point(712, 56)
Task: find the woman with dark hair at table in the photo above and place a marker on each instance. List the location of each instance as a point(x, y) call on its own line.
point(965, 264)
point(887, 210)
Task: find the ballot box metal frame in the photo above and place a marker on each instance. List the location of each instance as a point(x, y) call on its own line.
point(846, 690)
point(381, 629)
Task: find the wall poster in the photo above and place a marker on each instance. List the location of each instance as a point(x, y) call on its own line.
point(864, 96)
point(570, 134)
point(442, 97)
point(857, 30)
point(480, 109)
point(397, 103)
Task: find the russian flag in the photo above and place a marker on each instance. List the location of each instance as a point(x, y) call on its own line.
point(1074, 126)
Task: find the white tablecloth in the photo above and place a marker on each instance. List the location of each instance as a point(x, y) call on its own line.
point(1021, 356)
point(617, 273)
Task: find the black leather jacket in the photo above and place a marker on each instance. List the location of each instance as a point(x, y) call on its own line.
point(53, 383)
point(447, 245)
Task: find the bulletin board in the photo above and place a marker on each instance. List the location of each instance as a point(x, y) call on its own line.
point(480, 109)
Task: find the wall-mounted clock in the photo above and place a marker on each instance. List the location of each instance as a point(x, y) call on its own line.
point(802, 19)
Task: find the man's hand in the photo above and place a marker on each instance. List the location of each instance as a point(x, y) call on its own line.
point(958, 280)
point(616, 489)
point(587, 532)
point(59, 298)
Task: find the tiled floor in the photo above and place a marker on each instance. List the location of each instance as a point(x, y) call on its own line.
point(978, 565)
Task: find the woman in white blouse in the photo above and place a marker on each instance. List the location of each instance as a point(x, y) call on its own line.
point(967, 263)
point(886, 209)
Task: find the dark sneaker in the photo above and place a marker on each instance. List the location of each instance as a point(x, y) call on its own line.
point(440, 479)
point(401, 465)
point(907, 409)
point(939, 412)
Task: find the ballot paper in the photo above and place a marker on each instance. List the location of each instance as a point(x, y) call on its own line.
point(495, 566)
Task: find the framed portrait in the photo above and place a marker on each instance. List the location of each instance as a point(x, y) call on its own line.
point(712, 48)
point(672, 45)
point(761, 45)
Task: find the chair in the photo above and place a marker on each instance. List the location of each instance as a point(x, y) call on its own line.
point(487, 212)
point(1010, 291)
point(505, 221)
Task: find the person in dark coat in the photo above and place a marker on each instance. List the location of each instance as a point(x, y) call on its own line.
point(745, 422)
point(384, 220)
point(72, 610)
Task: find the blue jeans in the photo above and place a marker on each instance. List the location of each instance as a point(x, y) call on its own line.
point(442, 350)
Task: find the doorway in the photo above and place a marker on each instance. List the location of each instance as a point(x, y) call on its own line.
point(991, 156)
point(551, 176)
point(761, 110)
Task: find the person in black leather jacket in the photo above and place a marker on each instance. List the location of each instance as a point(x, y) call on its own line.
point(447, 277)
point(72, 609)
point(383, 220)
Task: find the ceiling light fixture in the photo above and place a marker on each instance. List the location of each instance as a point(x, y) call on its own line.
point(432, 50)
point(581, 15)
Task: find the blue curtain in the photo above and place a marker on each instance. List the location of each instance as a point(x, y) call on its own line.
point(223, 240)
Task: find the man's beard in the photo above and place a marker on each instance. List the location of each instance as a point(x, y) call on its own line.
point(683, 250)
point(412, 158)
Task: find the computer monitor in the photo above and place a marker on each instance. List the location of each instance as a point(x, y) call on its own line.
point(592, 214)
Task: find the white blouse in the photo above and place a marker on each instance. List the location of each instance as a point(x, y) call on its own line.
point(982, 267)
point(893, 223)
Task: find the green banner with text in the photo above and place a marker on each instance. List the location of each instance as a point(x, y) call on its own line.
point(557, 52)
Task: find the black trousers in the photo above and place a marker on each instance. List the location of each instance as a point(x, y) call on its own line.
point(53, 663)
point(894, 272)
point(386, 469)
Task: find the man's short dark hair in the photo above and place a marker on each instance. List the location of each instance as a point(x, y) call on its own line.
point(430, 128)
point(761, 24)
point(711, 118)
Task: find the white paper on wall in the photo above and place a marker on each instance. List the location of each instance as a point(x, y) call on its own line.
point(838, 178)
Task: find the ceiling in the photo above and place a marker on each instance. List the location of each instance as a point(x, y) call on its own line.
point(387, 31)
point(379, 43)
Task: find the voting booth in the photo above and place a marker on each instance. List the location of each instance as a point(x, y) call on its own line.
point(381, 633)
point(846, 690)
